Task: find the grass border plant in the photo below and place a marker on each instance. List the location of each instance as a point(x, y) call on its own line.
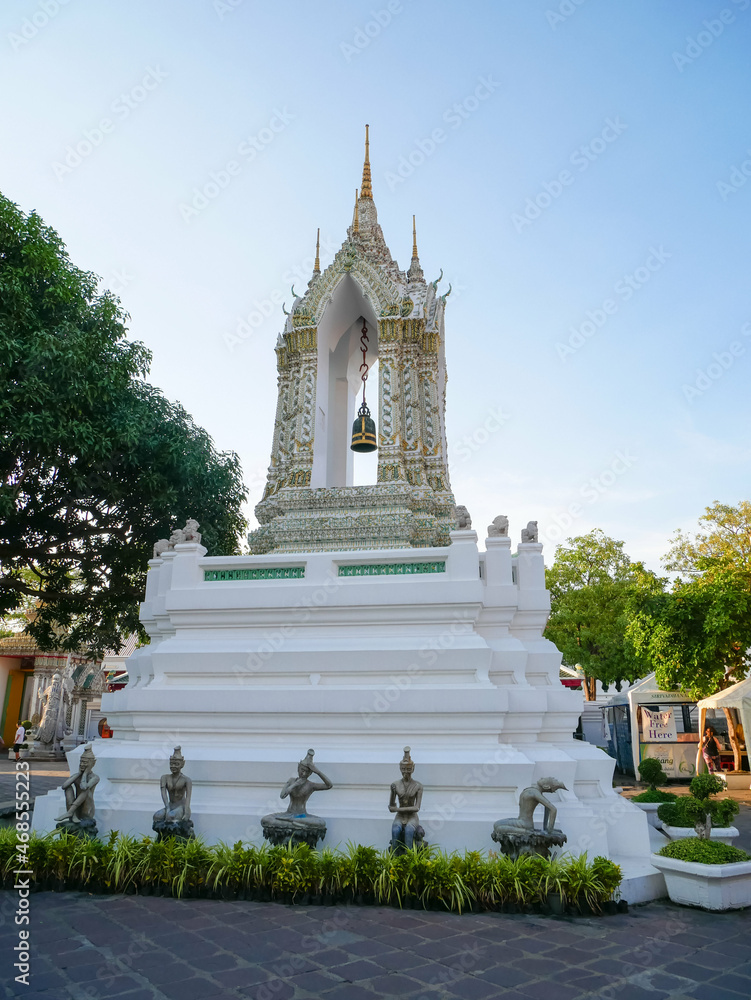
point(424, 878)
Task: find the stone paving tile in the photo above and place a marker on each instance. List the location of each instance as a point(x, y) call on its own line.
point(277, 988)
point(395, 985)
point(506, 975)
point(731, 981)
point(348, 991)
point(354, 972)
point(152, 948)
point(694, 973)
point(708, 991)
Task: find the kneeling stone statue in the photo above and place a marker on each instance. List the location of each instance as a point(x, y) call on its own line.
point(296, 826)
point(406, 831)
point(519, 836)
point(174, 820)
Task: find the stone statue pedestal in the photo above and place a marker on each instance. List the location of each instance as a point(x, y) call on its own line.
point(515, 843)
point(399, 847)
point(281, 829)
point(166, 829)
point(46, 751)
point(85, 828)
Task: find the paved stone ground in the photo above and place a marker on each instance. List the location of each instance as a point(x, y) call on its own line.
point(44, 776)
point(145, 948)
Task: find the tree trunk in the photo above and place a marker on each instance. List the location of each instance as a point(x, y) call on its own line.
point(590, 688)
point(734, 743)
point(704, 829)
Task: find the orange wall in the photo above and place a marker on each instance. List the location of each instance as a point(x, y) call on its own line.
point(11, 684)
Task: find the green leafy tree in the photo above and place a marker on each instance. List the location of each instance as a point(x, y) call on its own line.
point(95, 463)
point(592, 583)
point(696, 636)
point(723, 542)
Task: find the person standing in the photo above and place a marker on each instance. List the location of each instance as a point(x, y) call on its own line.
point(18, 740)
point(710, 750)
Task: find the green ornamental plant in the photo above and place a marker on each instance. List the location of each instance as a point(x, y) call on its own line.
point(426, 878)
point(703, 809)
point(651, 772)
point(705, 852)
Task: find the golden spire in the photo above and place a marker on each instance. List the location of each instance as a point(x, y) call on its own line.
point(356, 218)
point(367, 188)
point(317, 265)
point(414, 240)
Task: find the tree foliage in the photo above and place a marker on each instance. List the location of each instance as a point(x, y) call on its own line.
point(96, 464)
point(696, 636)
point(724, 542)
point(592, 585)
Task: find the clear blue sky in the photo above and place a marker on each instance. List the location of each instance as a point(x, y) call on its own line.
point(634, 235)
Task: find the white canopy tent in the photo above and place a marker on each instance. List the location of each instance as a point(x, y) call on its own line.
point(646, 692)
point(735, 702)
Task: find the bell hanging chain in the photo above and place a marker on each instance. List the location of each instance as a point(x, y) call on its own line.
point(364, 348)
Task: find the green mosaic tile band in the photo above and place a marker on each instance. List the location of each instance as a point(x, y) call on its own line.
point(392, 569)
point(266, 573)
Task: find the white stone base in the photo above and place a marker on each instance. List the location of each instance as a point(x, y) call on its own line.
point(255, 659)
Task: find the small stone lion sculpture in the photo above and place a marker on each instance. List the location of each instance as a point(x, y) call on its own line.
point(176, 538)
point(529, 534)
point(499, 527)
point(462, 520)
point(191, 532)
point(160, 547)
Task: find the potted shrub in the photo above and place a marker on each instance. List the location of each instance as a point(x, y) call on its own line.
point(651, 772)
point(699, 871)
point(699, 813)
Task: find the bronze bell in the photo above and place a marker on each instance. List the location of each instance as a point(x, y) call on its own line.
point(364, 431)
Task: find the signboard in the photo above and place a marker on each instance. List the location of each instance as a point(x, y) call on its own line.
point(658, 727)
point(678, 760)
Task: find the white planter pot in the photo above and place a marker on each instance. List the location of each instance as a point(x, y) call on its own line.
point(721, 835)
point(650, 808)
point(711, 887)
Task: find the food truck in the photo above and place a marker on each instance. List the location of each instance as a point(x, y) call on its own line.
point(647, 722)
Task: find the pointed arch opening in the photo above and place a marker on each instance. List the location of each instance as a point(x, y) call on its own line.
point(339, 386)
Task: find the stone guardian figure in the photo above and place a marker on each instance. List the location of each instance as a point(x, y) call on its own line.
point(52, 727)
point(174, 819)
point(296, 825)
point(79, 817)
point(520, 836)
point(530, 534)
point(406, 830)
